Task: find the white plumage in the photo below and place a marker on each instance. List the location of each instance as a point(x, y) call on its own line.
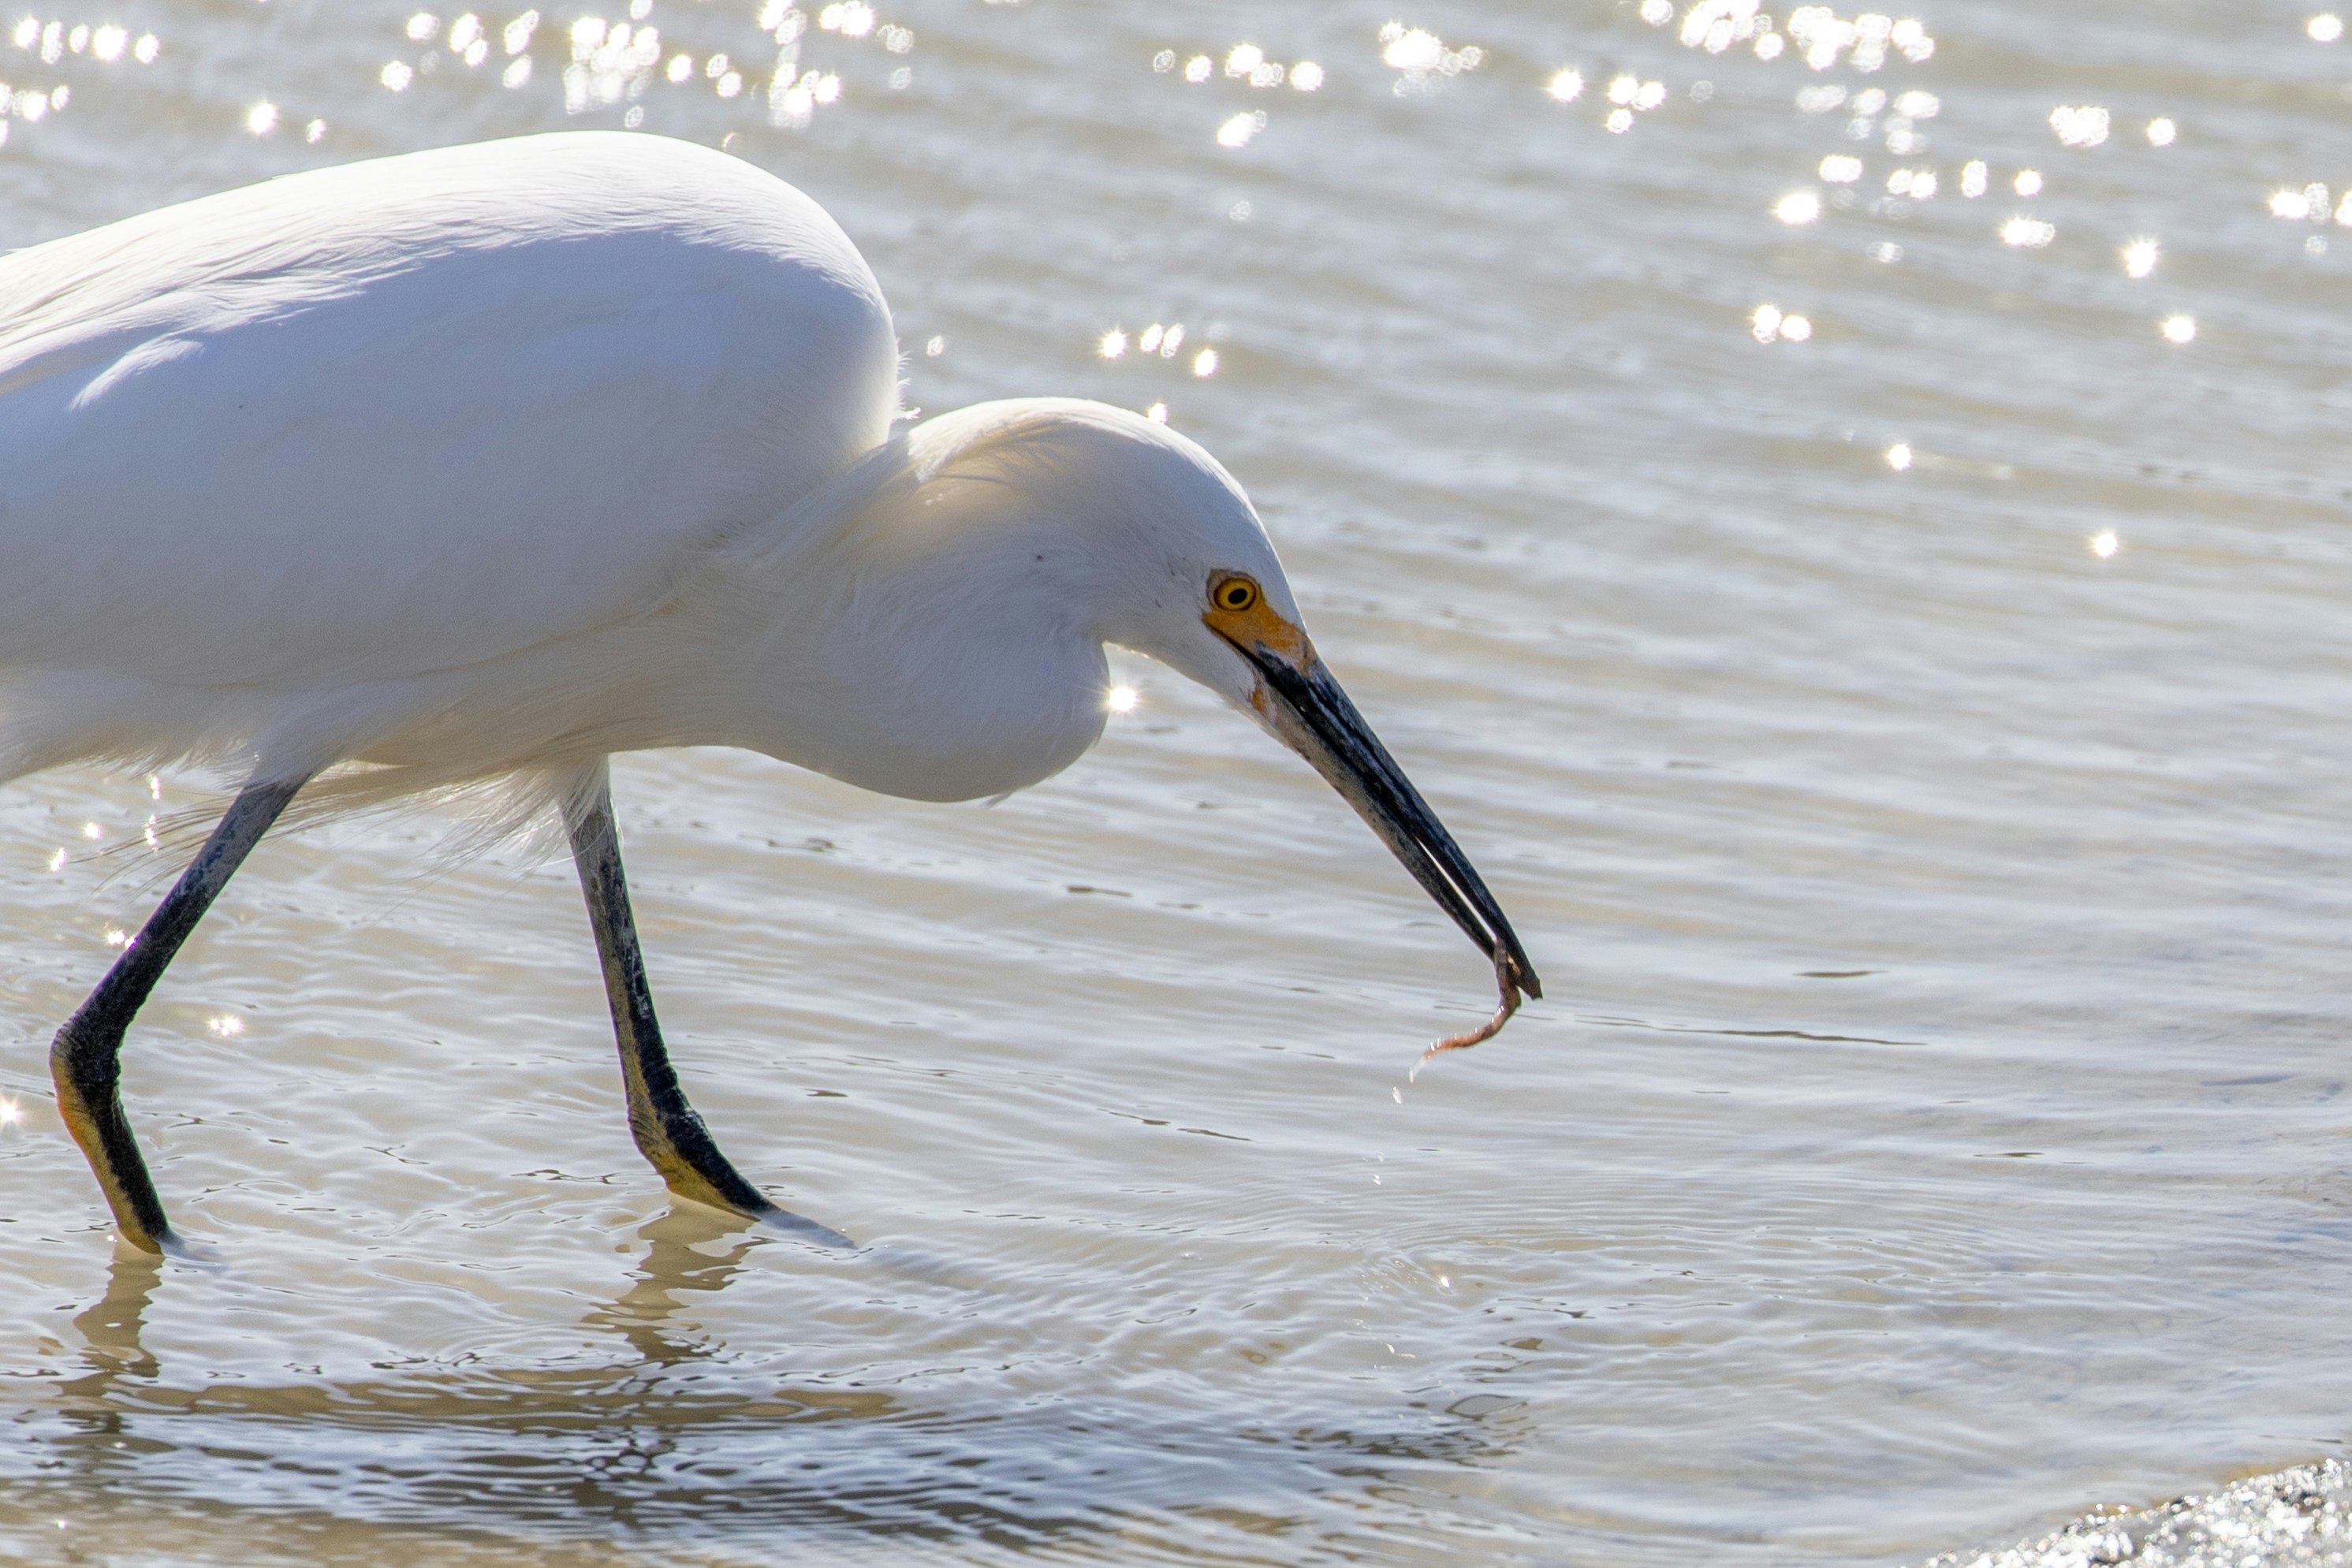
point(274, 462)
point(484, 464)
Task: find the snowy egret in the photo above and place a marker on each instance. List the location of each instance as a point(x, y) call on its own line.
point(487, 463)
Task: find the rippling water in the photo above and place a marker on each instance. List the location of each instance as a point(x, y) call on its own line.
point(1909, 724)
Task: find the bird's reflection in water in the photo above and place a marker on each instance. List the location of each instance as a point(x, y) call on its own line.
point(674, 1439)
point(110, 1328)
point(690, 1250)
point(98, 1414)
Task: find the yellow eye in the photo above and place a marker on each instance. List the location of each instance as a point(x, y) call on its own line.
point(1235, 594)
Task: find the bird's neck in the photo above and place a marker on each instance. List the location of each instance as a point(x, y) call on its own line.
point(906, 637)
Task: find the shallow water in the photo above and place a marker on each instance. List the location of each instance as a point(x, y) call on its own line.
point(1916, 756)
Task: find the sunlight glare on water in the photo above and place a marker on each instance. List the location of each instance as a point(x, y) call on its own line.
point(1841, 513)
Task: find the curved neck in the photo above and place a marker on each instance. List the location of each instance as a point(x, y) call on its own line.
point(918, 638)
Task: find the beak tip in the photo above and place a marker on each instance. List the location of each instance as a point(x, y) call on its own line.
point(1311, 713)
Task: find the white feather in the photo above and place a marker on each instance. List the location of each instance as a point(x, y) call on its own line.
point(483, 464)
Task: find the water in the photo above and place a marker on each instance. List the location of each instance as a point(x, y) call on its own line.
point(1913, 754)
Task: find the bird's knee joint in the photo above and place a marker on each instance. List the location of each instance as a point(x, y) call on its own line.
point(85, 1055)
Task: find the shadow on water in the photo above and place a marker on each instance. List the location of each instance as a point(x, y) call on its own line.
point(681, 1444)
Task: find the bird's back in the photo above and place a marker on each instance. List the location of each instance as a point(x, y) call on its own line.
point(406, 416)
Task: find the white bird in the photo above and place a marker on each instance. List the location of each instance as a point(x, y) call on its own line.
point(488, 463)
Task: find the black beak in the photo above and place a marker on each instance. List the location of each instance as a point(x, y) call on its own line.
point(1311, 713)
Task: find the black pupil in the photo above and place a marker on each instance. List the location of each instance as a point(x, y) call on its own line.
point(1236, 597)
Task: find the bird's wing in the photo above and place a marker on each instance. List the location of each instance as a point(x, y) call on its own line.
point(416, 413)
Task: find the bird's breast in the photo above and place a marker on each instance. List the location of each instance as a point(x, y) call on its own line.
point(956, 703)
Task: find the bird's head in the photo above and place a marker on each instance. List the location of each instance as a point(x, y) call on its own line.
point(1162, 552)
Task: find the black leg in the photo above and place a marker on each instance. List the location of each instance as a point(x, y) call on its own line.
point(668, 1131)
point(84, 1059)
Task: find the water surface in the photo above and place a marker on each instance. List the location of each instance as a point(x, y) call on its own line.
point(1914, 748)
